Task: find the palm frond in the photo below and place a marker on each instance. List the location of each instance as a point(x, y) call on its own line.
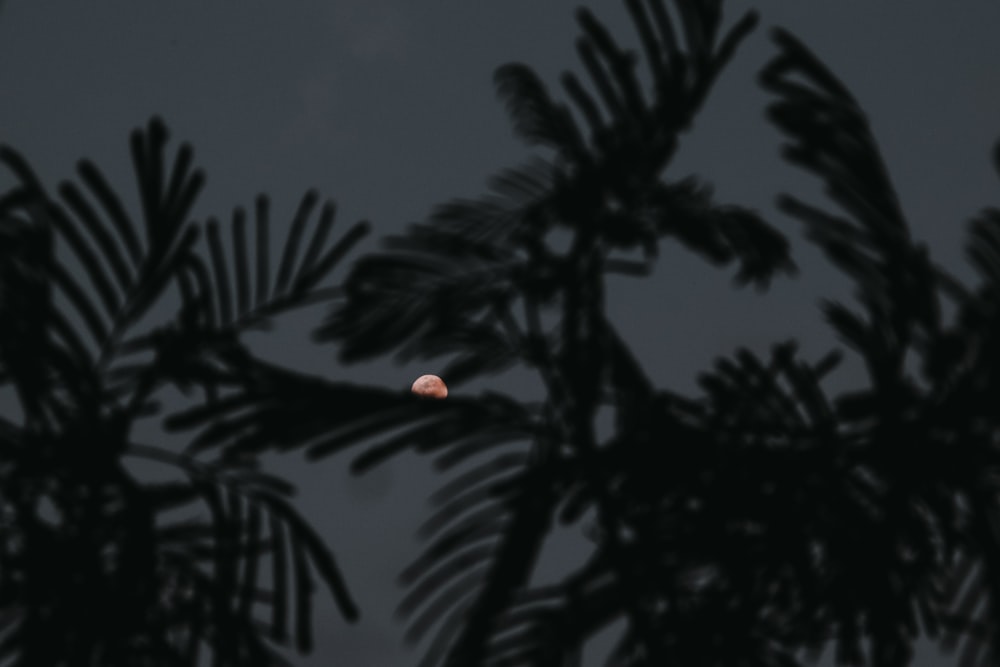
point(517, 277)
point(722, 234)
point(249, 519)
point(106, 268)
point(179, 570)
point(272, 408)
point(473, 260)
point(619, 114)
point(830, 137)
point(226, 294)
point(25, 308)
point(483, 543)
point(467, 264)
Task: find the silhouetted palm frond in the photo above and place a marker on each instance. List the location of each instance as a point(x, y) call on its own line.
point(249, 521)
point(517, 277)
point(622, 120)
point(467, 265)
point(920, 440)
point(472, 258)
point(232, 295)
point(966, 363)
point(613, 182)
point(831, 138)
point(278, 409)
point(96, 566)
point(267, 407)
point(123, 265)
point(754, 524)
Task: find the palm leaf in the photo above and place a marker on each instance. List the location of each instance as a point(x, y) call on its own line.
point(830, 137)
point(489, 283)
point(122, 275)
point(183, 565)
point(249, 520)
point(222, 289)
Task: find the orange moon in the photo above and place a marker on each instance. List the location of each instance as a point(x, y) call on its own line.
point(429, 386)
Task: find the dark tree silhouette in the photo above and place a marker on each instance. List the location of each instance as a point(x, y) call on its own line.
point(751, 524)
point(918, 444)
point(487, 284)
point(100, 310)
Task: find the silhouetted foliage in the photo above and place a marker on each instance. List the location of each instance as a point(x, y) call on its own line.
point(101, 308)
point(754, 523)
point(920, 440)
point(487, 284)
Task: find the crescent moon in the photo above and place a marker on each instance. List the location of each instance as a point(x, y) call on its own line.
point(429, 386)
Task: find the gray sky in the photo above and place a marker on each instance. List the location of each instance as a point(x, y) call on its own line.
point(388, 106)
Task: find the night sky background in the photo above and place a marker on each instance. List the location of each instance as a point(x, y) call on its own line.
point(388, 106)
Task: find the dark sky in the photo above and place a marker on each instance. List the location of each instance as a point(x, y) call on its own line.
point(388, 106)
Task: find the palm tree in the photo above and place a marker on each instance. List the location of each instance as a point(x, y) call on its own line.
point(752, 524)
point(485, 283)
point(919, 442)
point(102, 309)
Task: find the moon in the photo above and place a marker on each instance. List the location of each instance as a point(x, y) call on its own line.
point(429, 386)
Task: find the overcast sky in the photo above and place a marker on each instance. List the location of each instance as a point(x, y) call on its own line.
point(388, 106)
